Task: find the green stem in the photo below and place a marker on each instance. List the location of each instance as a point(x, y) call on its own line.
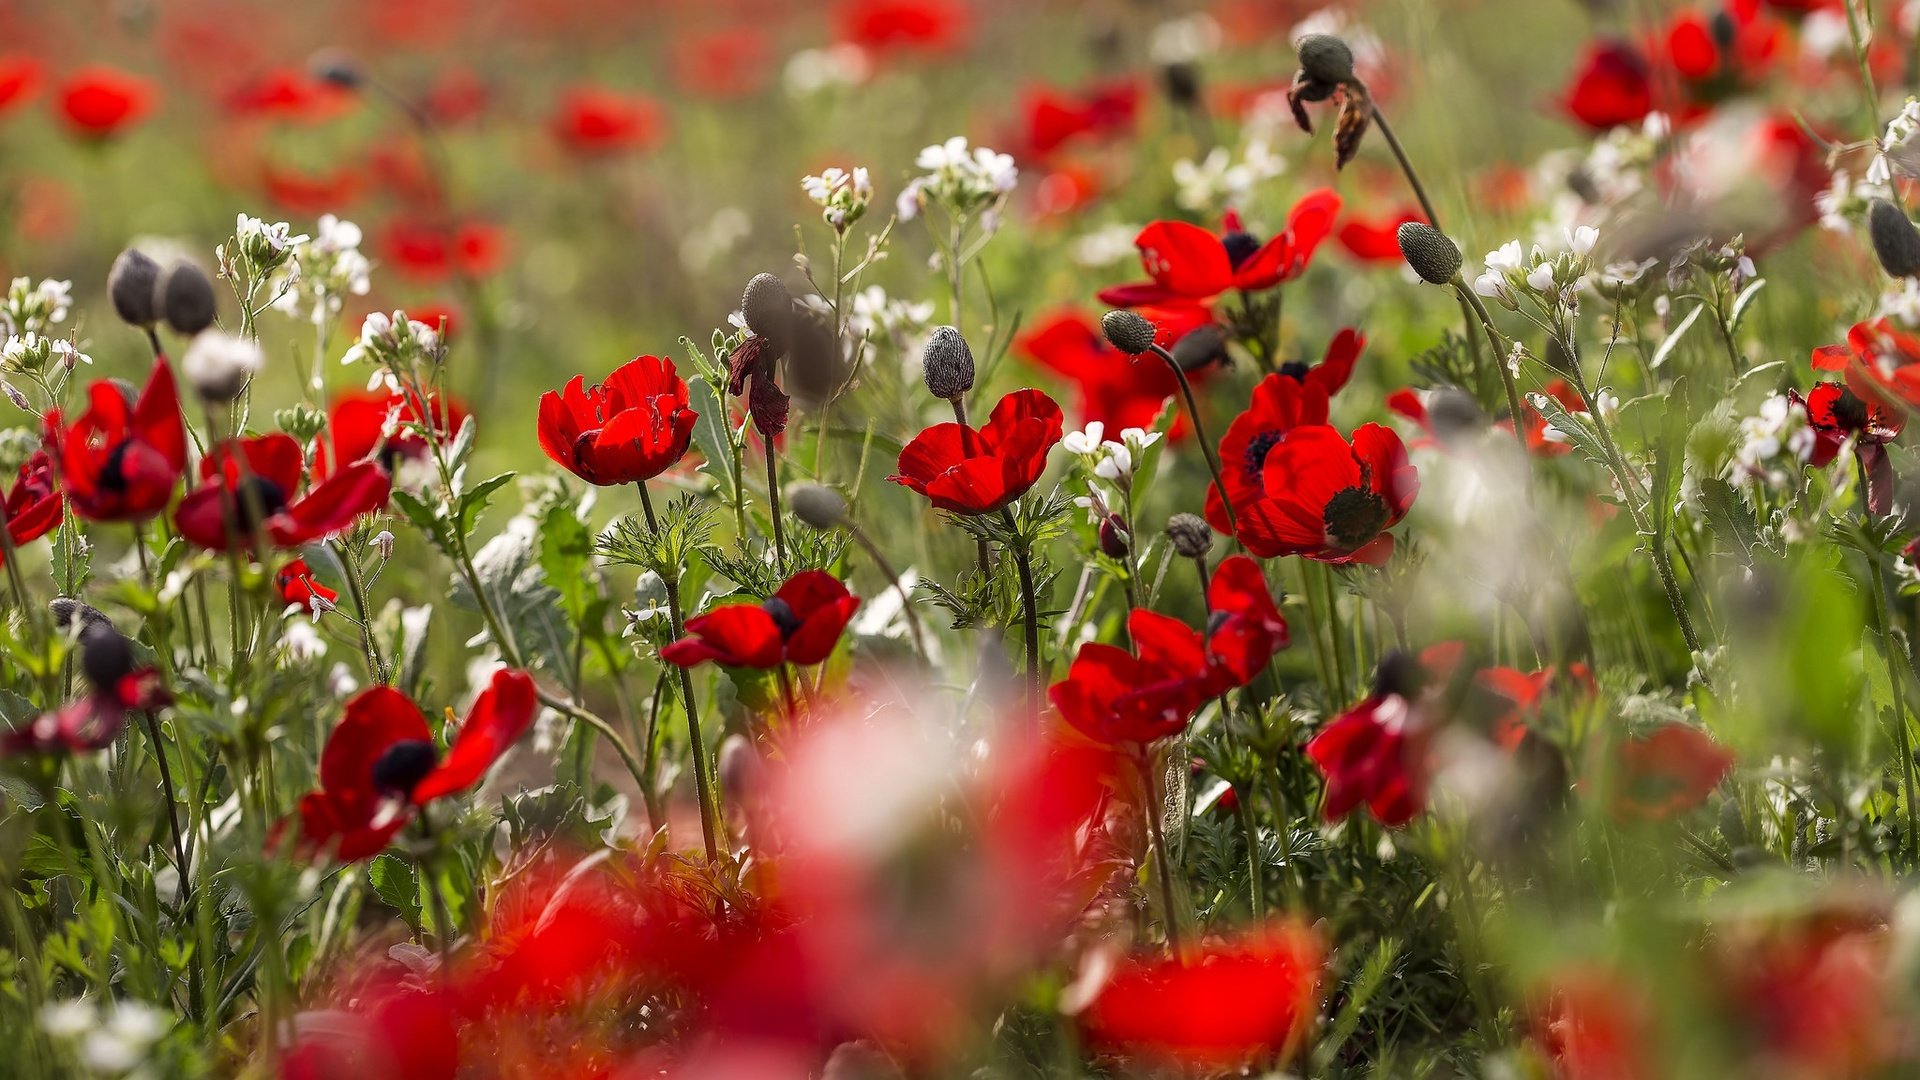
point(702, 768)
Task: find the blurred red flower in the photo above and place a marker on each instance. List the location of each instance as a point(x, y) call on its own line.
point(1707, 57)
point(728, 63)
point(1814, 997)
point(931, 25)
point(99, 102)
point(630, 428)
point(1592, 1027)
point(380, 763)
point(19, 77)
point(1188, 264)
point(288, 94)
point(1665, 772)
point(120, 460)
point(972, 472)
point(1115, 389)
point(799, 624)
point(250, 487)
point(34, 506)
point(1329, 499)
point(591, 120)
point(1051, 118)
point(295, 584)
point(1612, 85)
point(427, 252)
point(312, 193)
point(1376, 239)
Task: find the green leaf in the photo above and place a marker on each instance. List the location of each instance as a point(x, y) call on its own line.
point(1672, 342)
point(1578, 429)
point(711, 435)
point(1730, 518)
point(397, 884)
point(474, 501)
point(1741, 303)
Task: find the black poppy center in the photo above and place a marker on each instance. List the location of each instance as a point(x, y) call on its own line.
point(1355, 516)
point(1296, 370)
point(113, 474)
point(1257, 449)
point(256, 499)
point(1849, 411)
point(404, 764)
point(1240, 245)
point(1399, 674)
point(783, 617)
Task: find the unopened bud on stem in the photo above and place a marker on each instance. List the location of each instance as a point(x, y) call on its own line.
point(130, 284)
point(1434, 257)
point(1325, 58)
point(1895, 240)
point(768, 308)
point(184, 297)
point(1191, 536)
point(817, 505)
point(1128, 331)
point(947, 364)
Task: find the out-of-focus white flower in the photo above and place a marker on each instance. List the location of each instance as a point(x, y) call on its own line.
point(302, 642)
point(218, 365)
point(841, 195)
point(875, 314)
point(1103, 246)
point(1900, 150)
point(68, 1019)
point(32, 308)
point(810, 71)
point(1184, 40)
point(323, 272)
point(1218, 179)
point(960, 177)
point(1843, 204)
point(1774, 443)
point(707, 244)
point(1902, 302)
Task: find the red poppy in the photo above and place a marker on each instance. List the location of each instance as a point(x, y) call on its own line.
point(799, 624)
point(456, 96)
point(426, 251)
point(590, 120)
point(1244, 626)
point(444, 318)
point(632, 427)
point(1817, 995)
point(380, 763)
point(1253, 996)
point(1052, 118)
point(1113, 696)
point(1375, 754)
point(120, 460)
point(19, 74)
point(1706, 57)
point(1612, 85)
point(1592, 1027)
point(1880, 362)
point(894, 24)
point(1838, 414)
point(1115, 389)
point(383, 426)
point(1329, 499)
point(288, 94)
point(1280, 404)
point(251, 487)
point(296, 585)
point(100, 102)
point(1376, 239)
point(312, 193)
point(726, 64)
point(969, 471)
point(1668, 771)
point(34, 506)
point(94, 721)
point(1190, 265)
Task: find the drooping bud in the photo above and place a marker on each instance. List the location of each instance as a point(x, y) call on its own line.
point(1324, 58)
point(1128, 331)
point(106, 657)
point(1190, 535)
point(1201, 347)
point(947, 364)
point(1434, 257)
point(383, 544)
point(130, 284)
point(1113, 537)
point(817, 505)
point(1895, 240)
point(219, 365)
point(337, 67)
point(184, 297)
point(768, 308)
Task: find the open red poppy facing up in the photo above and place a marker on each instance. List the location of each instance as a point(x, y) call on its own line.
point(1667, 771)
point(632, 427)
point(799, 624)
point(120, 459)
point(101, 102)
point(1329, 499)
point(972, 472)
point(380, 763)
point(251, 488)
point(1280, 404)
point(1188, 264)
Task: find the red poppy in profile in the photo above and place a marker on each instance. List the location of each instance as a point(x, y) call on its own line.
point(799, 624)
point(931, 25)
point(1880, 361)
point(312, 193)
point(1376, 239)
point(428, 252)
point(296, 585)
point(251, 487)
point(1244, 625)
point(19, 75)
point(101, 102)
point(384, 426)
point(380, 763)
point(1611, 86)
point(1115, 389)
point(980, 471)
point(1667, 771)
point(92, 722)
point(1329, 499)
point(34, 506)
point(1114, 696)
point(1376, 753)
point(1188, 264)
point(1250, 997)
point(590, 120)
point(632, 427)
point(1280, 404)
point(288, 94)
point(1838, 415)
point(725, 64)
point(1051, 118)
point(120, 460)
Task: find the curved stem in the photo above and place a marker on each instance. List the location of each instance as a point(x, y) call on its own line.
point(1406, 166)
point(906, 601)
point(702, 769)
point(773, 501)
point(1200, 434)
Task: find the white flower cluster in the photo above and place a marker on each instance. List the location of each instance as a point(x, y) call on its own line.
point(1900, 148)
point(842, 196)
point(1550, 280)
point(1844, 203)
point(961, 178)
point(1219, 180)
point(31, 308)
point(112, 1044)
point(1774, 443)
point(1112, 460)
point(873, 313)
point(264, 245)
point(319, 273)
point(393, 342)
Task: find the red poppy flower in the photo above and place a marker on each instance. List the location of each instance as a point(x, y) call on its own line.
point(1280, 404)
point(19, 74)
point(1593, 1027)
point(426, 251)
point(726, 64)
point(1837, 414)
point(1052, 118)
point(1611, 86)
point(1374, 754)
point(1880, 362)
point(632, 427)
point(456, 96)
point(1244, 626)
point(1253, 996)
point(34, 506)
point(1190, 265)
point(120, 460)
point(1330, 500)
point(296, 585)
point(1377, 239)
point(380, 763)
point(1817, 995)
point(94, 721)
point(312, 193)
point(288, 94)
point(1113, 696)
point(930, 25)
point(1668, 771)
point(972, 472)
point(1115, 389)
point(1707, 57)
point(100, 102)
point(799, 624)
point(382, 426)
point(590, 120)
point(251, 486)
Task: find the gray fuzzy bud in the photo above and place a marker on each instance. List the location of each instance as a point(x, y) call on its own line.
point(337, 67)
point(1128, 331)
point(1325, 58)
point(184, 296)
point(768, 308)
point(67, 611)
point(947, 363)
point(1190, 535)
point(1454, 415)
point(130, 284)
point(817, 505)
point(1895, 240)
point(1434, 257)
point(1200, 347)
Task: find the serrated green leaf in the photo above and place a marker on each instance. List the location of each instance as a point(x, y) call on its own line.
point(1730, 518)
point(476, 500)
point(397, 884)
point(711, 434)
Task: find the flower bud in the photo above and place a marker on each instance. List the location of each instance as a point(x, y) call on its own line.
point(1191, 536)
point(1325, 58)
point(383, 544)
point(768, 308)
point(130, 284)
point(1128, 331)
point(337, 67)
point(1895, 240)
point(1434, 257)
point(1454, 415)
point(947, 364)
point(66, 611)
point(106, 656)
point(184, 297)
point(1113, 537)
point(737, 765)
point(219, 365)
point(1200, 347)
point(817, 505)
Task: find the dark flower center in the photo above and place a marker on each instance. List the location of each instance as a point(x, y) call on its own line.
point(1355, 516)
point(1849, 411)
point(113, 475)
point(1296, 370)
point(255, 499)
point(783, 617)
point(1399, 674)
point(404, 764)
point(1257, 449)
point(1240, 245)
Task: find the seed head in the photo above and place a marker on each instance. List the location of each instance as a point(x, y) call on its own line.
point(130, 284)
point(1128, 331)
point(768, 308)
point(1434, 257)
point(1191, 536)
point(947, 363)
point(817, 505)
point(184, 296)
point(1895, 240)
point(1325, 58)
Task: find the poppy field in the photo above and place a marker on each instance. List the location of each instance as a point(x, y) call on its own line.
point(919, 539)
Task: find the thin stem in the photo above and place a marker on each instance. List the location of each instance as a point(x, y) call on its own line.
point(1494, 339)
point(376, 669)
point(1200, 434)
point(702, 774)
point(1243, 807)
point(167, 790)
point(773, 501)
point(574, 712)
point(1031, 614)
point(1406, 166)
point(1163, 858)
point(966, 444)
